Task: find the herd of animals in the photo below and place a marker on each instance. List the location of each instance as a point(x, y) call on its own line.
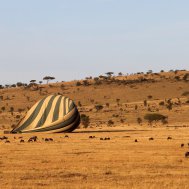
point(36, 139)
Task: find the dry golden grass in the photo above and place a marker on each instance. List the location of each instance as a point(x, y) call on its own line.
point(80, 162)
point(165, 87)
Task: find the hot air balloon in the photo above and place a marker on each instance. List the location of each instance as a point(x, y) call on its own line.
point(52, 114)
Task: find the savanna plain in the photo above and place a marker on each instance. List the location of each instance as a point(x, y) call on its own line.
point(134, 133)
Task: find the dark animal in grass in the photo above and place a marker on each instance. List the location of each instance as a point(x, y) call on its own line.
point(21, 141)
point(7, 141)
point(91, 136)
point(187, 154)
point(136, 140)
point(3, 138)
point(33, 139)
point(107, 138)
point(182, 145)
point(101, 139)
point(66, 136)
point(48, 139)
point(151, 138)
point(169, 138)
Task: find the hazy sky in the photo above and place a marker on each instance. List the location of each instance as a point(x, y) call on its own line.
point(72, 39)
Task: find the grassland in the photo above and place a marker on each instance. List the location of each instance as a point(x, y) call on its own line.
point(78, 161)
point(81, 162)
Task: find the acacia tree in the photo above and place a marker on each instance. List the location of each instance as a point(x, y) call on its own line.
point(47, 78)
point(33, 81)
point(109, 74)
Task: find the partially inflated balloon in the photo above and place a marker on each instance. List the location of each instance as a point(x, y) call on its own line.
point(53, 114)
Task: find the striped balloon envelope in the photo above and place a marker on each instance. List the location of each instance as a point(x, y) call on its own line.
point(53, 114)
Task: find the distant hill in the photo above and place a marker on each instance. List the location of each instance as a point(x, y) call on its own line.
point(108, 101)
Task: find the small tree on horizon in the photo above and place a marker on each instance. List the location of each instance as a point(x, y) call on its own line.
point(47, 78)
point(109, 74)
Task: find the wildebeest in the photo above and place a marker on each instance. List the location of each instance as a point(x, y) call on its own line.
point(187, 154)
point(33, 139)
point(3, 138)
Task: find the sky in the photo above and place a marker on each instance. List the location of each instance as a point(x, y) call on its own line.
point(74, 39)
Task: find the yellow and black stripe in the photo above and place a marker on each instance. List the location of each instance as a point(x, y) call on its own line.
point(54, 113)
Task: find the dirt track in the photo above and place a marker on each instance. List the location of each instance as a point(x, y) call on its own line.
point(81, 162)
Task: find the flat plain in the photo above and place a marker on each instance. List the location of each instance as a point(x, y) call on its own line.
point(78, 161)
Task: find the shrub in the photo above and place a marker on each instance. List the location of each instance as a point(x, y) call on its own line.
point(85, 83)
point(107, 104)
point(186, 77)
point(154, 117)
point(110, 123)
point(162, 103)
point(139, 120)
point(149, 96)
point(85, 120)
point(122, 120)
point(99, 107)
point(177, 78)
point(18, 117)
point(118, 100)
point(3, 108)
point(19, 84)
point(170, 106)
point(78, 83)
point(11, 109)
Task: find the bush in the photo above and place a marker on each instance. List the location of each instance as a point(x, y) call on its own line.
point(3, 108)
point(122, 120)
point(85, 120)
point(150, 96)
point(155, 117)
point(186, 77)
point(17, 116)
point(110, 123)
point(162, 103)
point(78, 83)
point(85, 83)
point(139, 120)
point(107, 105)
point(99, 107)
